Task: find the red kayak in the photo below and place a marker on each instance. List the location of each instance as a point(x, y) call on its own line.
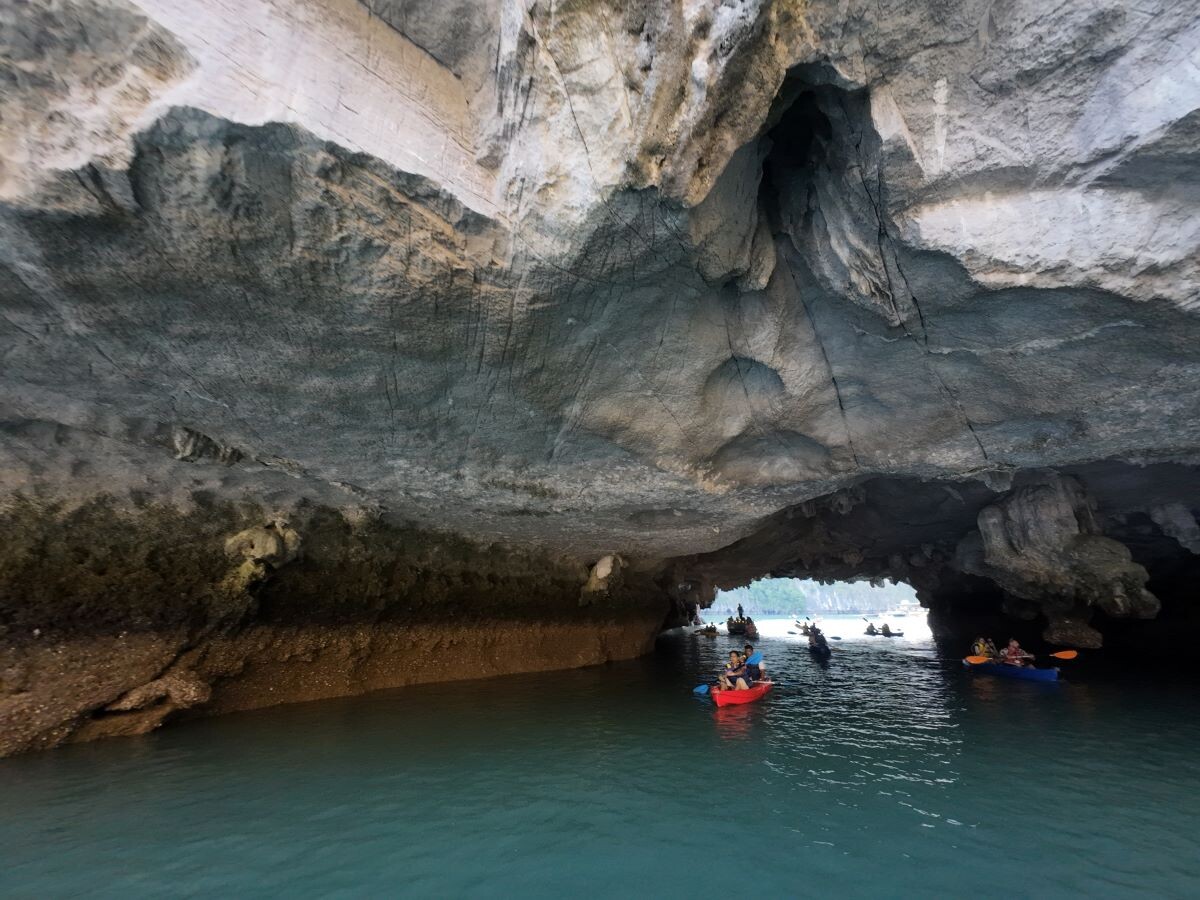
point(728, 698)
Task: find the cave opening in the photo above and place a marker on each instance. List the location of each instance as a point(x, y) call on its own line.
point(791, 598)
point(817, 134)
point(796, 127)
point(1100, 556)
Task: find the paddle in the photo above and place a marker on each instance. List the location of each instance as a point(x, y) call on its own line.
point(700, 689)
point(1061, 654)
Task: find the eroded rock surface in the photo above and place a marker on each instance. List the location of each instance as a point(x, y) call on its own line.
point(1041, 544)
point(707, 289)
point(116, 618)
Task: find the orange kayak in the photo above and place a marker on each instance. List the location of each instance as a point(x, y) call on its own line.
point(728, 698)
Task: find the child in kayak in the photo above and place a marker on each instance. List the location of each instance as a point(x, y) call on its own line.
point(1013, 655)
point(734, 676)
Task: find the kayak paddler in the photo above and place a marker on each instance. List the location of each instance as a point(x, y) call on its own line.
point(871, 629)
point(817, 640)
point(984, 647)
point(1013, 655)
point(754, 671)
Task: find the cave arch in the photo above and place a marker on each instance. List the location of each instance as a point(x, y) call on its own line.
point(1115, 567)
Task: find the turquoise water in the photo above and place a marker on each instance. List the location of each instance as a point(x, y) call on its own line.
point(889, 773)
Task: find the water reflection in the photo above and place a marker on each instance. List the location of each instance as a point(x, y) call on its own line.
point(735, 723)
point(874, 715)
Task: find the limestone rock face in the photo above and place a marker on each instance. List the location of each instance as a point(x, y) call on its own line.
point(1176, 520)
point(116, 619)
point(1041, 544)
point(669, 282)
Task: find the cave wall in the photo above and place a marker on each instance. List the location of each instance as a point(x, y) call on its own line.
point(116, 617)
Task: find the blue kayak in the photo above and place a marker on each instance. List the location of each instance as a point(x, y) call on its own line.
point(1023, 673)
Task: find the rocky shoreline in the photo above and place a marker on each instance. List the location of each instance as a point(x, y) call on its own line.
point(112, 624)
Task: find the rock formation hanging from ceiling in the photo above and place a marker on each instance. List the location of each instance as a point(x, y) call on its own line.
point(712, 289)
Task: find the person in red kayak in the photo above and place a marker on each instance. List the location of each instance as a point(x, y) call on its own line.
point(753, 672)
point(1013, 655)
point(734, 677)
